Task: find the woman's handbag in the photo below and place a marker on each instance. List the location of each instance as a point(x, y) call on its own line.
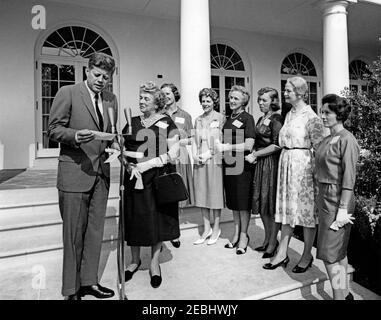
point(170, 188)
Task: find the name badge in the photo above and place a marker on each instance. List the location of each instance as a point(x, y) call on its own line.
point(180, 120)
point(161, 125)
point(214, 124)
point(237, 123)
point(334, 139)
point(266, 122)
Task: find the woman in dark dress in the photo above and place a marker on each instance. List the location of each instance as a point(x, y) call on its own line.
point(266, 155)
point(147, 223)
point(239, 135)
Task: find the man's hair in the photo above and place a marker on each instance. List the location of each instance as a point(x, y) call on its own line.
point(102, 61)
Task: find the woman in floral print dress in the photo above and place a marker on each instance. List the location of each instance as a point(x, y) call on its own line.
point(295, 200)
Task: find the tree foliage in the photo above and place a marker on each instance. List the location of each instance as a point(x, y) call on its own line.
point(365, 124)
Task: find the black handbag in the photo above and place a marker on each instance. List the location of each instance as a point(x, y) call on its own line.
point(170, 188)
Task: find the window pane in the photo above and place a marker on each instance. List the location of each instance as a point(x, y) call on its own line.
point(67, 72)
point(215, 82)
point(49, 71)
point(49, 88)
point(240, 81)
point(229, 82)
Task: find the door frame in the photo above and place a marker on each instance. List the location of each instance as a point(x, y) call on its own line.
point(78, 64)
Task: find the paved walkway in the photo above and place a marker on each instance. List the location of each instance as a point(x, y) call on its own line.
point(190, 272)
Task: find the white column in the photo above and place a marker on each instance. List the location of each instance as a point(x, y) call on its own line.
point(195, 53)
point(335, 47)
point(1, 156)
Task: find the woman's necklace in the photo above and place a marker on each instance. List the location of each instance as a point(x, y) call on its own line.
point(147, 122)
point(236, 115)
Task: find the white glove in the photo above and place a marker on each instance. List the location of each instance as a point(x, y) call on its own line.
point(221, 147)
point(173, 153)
point(205, 156)
point(342, 218)
point(136, 174)
point(251, 158)
point(184, 142)
point(147, 165)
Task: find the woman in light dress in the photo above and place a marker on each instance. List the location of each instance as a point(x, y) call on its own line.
point(295, 200)
point(207, 173)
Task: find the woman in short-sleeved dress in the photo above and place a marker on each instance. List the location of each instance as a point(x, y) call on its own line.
point(336, 160)
point(239, 135)
point(146, 222)
point(295, 200)
point(207, 170)
point(183, 121)
point(266, 154)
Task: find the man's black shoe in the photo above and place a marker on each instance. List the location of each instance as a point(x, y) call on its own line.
point(97, 291)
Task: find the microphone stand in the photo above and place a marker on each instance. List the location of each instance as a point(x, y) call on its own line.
point(121, 225)
point(120, 246)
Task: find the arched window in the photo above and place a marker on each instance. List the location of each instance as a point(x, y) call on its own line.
point(357, 71)
point(298, 64)
point(62, 60)
point(228, 69)
point(74, 41)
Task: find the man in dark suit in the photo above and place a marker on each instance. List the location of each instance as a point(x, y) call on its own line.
point(83, 178)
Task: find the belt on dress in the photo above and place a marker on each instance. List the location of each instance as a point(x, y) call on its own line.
point(296, 148)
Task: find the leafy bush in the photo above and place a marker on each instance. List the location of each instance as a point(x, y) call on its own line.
point(365, 124)
point(364, 250)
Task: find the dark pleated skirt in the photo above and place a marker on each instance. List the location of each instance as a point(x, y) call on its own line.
point(331, 245)
point(147, 223)
point(238, 188)
point(264, 185)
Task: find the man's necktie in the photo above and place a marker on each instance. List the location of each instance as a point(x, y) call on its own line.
point(99, 114)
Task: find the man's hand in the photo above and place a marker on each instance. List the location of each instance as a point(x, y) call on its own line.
point(84, 136)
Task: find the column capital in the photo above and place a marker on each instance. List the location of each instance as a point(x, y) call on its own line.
point(335, 6)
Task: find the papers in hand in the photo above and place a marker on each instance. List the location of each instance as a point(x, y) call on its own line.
point(103, 135)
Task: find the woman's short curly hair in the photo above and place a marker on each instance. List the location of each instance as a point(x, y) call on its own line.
point(244, 91)
point(208, 92)
point(300, 86)
point(158, 95)
point(274, 96)
point(174, 90)
point(338, 105)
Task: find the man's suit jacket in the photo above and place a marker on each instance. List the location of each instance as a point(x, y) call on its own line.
point(73, 110)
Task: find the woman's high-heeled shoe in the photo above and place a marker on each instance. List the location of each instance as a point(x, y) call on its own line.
point(176, 243)
point(213, 241)
point(243, 250)
point(128, 274)
point(156, 279)
point(231, 245)
point(298, 269)
point(272, 253)
point(270, 266)
point(202, 240)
